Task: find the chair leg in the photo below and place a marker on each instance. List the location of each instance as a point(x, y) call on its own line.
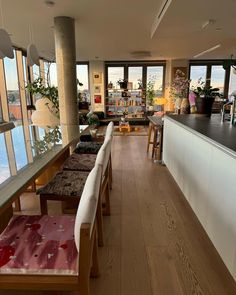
point(43, 206)
point(110, 173)
point(149, 136)
point(17, 205)
point(95, 266)
point(154, 141)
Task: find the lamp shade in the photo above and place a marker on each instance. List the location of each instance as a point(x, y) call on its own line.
point(6, 49)
point(160, 101)
point(32, 55)
point(45, 115)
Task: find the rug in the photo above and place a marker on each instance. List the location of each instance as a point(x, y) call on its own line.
point(136, 130)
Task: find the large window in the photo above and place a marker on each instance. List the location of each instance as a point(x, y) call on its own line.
point(82, 73)
point(232, 82)
point(53, 74)
point(115, 74)
point(12, 85)
point(155, 73)
point(218, 78)
point(19, 147)
point(4, 165)
point(197, 73)
point(135, 76)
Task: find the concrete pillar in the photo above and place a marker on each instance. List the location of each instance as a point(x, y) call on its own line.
point(64, 30)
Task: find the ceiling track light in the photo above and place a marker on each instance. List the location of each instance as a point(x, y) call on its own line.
point(208, 50)
point(209, 22)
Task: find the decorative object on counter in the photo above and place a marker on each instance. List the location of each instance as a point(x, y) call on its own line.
point(205, 97)
point(160, 101)
point(184, 107)
point(123, 83)
point(192, 100)
point(179, 90)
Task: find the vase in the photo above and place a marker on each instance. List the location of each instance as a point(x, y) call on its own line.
point(178, 102)
point(184, 107)
point(204, 105)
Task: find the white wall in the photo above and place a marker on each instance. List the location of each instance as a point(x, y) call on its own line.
point(207, 176)
point(97, 67)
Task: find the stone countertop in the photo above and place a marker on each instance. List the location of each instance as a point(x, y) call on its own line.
point(221, 134)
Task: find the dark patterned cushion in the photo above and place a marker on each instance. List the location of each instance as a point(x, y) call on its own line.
point(80, 162)
point(65, 183)
point(88, 147)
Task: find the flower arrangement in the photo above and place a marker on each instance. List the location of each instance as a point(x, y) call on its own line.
point(180, 85)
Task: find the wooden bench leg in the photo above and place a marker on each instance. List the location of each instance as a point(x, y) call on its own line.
point(149, 136)
point(17, 205)
point(154, 146)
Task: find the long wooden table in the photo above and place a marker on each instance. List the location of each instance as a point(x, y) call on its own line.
point(43, 167)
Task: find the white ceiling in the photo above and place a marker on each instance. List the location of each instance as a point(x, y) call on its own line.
point(110, 30)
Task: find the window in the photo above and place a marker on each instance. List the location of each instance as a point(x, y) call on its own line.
point(232, 81)
point(196, 73)
point(13, 94)
point(18, 139)
point(155, 73)
point(82, 75)
point(36, 71)
point(53, 74)
point(218, 78)
point(4, 165)
point(115, 74)
point(135, 74)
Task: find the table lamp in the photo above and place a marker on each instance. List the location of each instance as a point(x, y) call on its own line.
point(160, 101)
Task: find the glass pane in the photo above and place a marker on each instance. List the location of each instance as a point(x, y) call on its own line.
point(115, 74)
point(218, 78)
point(155, 73)
point(36, 72)
point(53, 74)
point(196, 73)
point(83, 77)
point(232, 82)
point(19, 147)
point(4, 165)
point(13, 94)
point(135, 75)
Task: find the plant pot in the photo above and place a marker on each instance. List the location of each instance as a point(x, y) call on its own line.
point(204, 105)
point(123, 85)
point(184, 107)
point(83, 105)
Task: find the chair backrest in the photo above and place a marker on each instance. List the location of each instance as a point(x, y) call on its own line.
point(88, 203)
point(110, 129)
point(104, 154)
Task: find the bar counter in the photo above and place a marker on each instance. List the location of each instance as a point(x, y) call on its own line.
point(200, 153)
point(221, 134)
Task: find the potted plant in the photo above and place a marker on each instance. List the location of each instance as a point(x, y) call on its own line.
point(150, 93)
point(123, 83)
point(205, 96)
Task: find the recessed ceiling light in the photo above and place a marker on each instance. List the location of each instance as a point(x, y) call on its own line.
point(49, 3)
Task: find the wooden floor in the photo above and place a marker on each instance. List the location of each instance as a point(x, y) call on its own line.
point(154, 245)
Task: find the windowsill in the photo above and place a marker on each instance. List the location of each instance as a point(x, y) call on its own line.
point(6, 126)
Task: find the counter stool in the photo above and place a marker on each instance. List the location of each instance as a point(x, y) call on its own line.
point(150, 135)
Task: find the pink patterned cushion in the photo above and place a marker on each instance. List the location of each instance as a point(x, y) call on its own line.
point(42, 245)
point(80, 162)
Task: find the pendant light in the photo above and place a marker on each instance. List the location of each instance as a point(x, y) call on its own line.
point(32, 52)
point(6, 48)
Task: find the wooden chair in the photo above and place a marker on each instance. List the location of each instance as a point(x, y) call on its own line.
point(53, 253)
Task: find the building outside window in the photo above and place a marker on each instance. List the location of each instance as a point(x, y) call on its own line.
point(13, 93)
